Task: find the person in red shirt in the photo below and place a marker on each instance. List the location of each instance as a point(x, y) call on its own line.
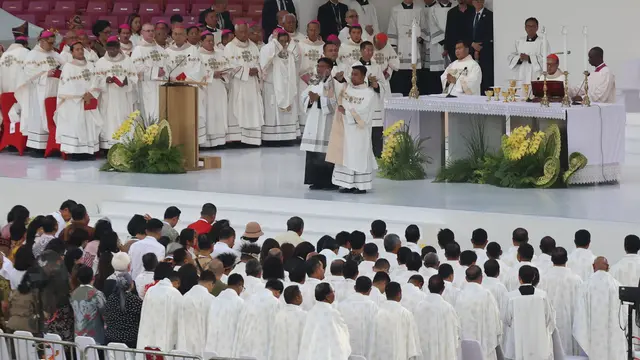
point(207, 217)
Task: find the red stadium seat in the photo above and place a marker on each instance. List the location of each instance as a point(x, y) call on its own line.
point(13, 7)
point(244, 19)
point(64, 7)
point(123, 8)
point(39, 8)
point(87, 21)
point(173, 9)
point(30, 18)
point(190, 20)
point(150, 9)
point(97, 7)
point(235, 10)
point(255, 10)
point(196, 9)
point(55, 21)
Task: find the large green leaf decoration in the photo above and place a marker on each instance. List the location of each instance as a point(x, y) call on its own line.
point(119, 157)
point(164, 135)
point(577, 161)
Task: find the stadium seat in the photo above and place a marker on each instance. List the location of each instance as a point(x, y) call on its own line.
point(13, 7)
point(24, 349)
point(155, 19)
point(187, 4)
point(196, 9)
point(86, 21)
point(83, 342)
point(235, 10)
point(173, 9)
point(97, 7)
point(30, 18)
point(40, 9)
point(65, 8)
point(118, 355)
point(243, 19)
point(150, 9)
point(255, 10)
point(55, 351)
point(55, 21)
point(190, 20)
point(4, 348)
point(15, 138)
point(123, 8)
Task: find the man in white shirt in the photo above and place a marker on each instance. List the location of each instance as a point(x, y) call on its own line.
point(491, 282)
point(525, 254)
point(451, 292)
point(518, 237)
point(526, 60)
point(315, 275)
point(253, 280)
point(226, 239)
point(463, 76)
point(295, 227)
point(581, 259)
point(392, 245)
point(430, 268)
point(479, 240)
point(543, 262)
point(193, 314)
point(358, 310)
point(452, 255)
point(147, 245)
point(370, 255)
point(627, 270)
point(494, 252)
point(412, 235)
point(602, 82)
point(378, 232)
point(63, 215)
point(149, 263)
point(288, 326)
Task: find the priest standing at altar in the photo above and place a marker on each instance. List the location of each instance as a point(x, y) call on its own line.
point(183, 59)
point(463, 76)
point(526, 60)
point(150, 62)
point(212, 113)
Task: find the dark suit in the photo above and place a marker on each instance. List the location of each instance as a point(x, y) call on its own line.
point(224, 21)
point(329, 15)
point(458, 28)
point(482, 32)
point(269, 15)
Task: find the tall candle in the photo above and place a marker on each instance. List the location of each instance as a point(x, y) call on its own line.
point(586, 48)
point(414, 42)
point(545, 49)
point(565, 61)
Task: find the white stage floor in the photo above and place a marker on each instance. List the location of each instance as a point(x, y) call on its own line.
point(278, 172)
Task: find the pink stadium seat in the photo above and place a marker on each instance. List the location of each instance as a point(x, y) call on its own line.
point(150, 9)
point(235, 10)
point(39, 8)
point(245, 19)
point(123, 8)
point(97, 7)
point(13, 7)
point(155, 19)
point(64, 7)
point(30, 18)
point(86, 21)
point(190, 20)
point(196, 9)
point(172, 9)
point(56, 21)
point(255, 10)
point(113, 20)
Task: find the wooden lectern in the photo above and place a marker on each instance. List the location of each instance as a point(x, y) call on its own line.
point(179, 106)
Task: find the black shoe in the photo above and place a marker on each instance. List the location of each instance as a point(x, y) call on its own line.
point(331, 187)
point(315, 187)
point(345, 191)
point(74, 157)
point(356, 191)
point(34, 153)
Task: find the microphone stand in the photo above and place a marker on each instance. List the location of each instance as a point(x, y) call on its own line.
point(451, 86)
point(171, 83)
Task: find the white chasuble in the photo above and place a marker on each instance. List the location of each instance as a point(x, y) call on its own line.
point(479, 318)
point(399, 31)
point(530, 320)
point(598, 318)
point(149, 59)
point(184, 62)
point(373, 70)
point(286, 333)
point(319, 117)
point(437, 22)
point(395, 334)
point(359, 312)
point(528, 70)
point(222, 323)
point(78, 130)
point(581, 262)
point(343, 36)
point(255, 325)
point(411, 296)
point(159, 317)
point(440, 335)
point(512, 281)
point(193, 315)
point(246, 110)
point(127, 49)
point(281, 99)
point(212, 114)
point(627, 270)
point(468, 75)
point(116, 101)
point(11, 64)
point(34, 86)
point(348, 54)
point(498, 290)
point(325, 335)
point(308, 290)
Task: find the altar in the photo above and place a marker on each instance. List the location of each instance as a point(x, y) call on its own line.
point(597, 132)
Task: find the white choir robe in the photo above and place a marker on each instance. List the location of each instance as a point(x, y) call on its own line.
point(212, 114)
point(581, 262)
point(310, 52)
point(498, 290)
point(510, 257)
point(222, 323)
point(440, 335)
point(348, 54)
point(530, 321)
point(116, 103)
point(11, 64)
point(558, 76)
point(127, 49)
point(246, 110)
point(159, 317)
point(376, 296)
point(308, 290)
point(479, 318)
point(512, 281)
point(402, 275)
point(388, 60)
point(399, 31)
point(469, 80)
point(343, 289)
point(78, 130)
point(563, 287)
point(318, 120)
point(343, 36)
point(437, 22)
point(395, 334)
point(367, 15)
point(598, 318)
point(373, 70)
point(627, 270)
point(252, 286)
point(89, 55)
point(602, 86)
point(459, 272)
point(281, 100)
point(358, 162)
point(366, 269)
point(255, 325)
point(526, 71)
point(427, 273)
point(33, 89)
point(325, 335)
point(193, 315)
point(450, 293)
point(286, 333)
point(359, 312)
point(149, 58)
point(482, 257)
point(184, 60)
point(411, 296)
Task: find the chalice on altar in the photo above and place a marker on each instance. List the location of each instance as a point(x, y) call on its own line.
point(513, 83)
point(525, 90)
point(496, 91)
point(512, 94)
point(505, 95)
point(489, 94)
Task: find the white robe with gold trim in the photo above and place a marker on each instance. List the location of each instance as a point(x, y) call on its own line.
point(11, 64)
point(399, 31)
point(315, 137)
point(149, 58)
point(325, 335)
point(310, 52)
point(184, 59)
point(469, 80)
point(213, 114)
point(349, 53)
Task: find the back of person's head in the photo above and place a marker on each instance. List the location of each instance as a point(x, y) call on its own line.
point(525, 252)
point(337, 267)
point(445, 236)
point(350, 269)
point(227, 233)
point(403, 255)
point(357, 240)
point(164, 241)
point(187, 235)
point(109, 242)
point(412, 234)
point(322, 258)
point(494, 251)
point(431, 260)
point(24, 258)
point(208, 276)
point(378, 229)
point(269, 244)
point(49, 224)
point(582, 238)
point(391, 242)
point(370, 250)
point(137, 225)
point(312, 265)
point(56, 245)
point(204, 242)
point(188, 275)
point(287, 251)
point(272, 268)
point(330, 243)
point(18, 214)
point(492, 268)
point(172, 212)
point(445, 270)
point(393, 290)
point(228, 260)
point(382, 265)
point(149, 261)
point(235, 280)
point(154, 226)
point(452, 251)
point(479, 237)
point(547, 244)
point(427, 250)
point(417, 280)
point(520, 236)
point(436, 284)
point(216, 228)
point(180, 256)
point(322, 291)
point(303, 249)
point(68, 205)
point(84, 274)
point(298, 274)
point(381, 277)
point(468, 257)
point(250, 251)
point(71, 258)
point(77, 236)
point(102, 227)
point(363, 285)
point(631, 244)
point(17, 231)
point(291, 293)
point(320, 245)
point(342, 238)
point(162, 271)
point(473, 273)
point(78, 212)
point(120, 261)
point(559, 256)
point(208, 210)
point(274, 284)
point(414, 262)
point(527, 274)
point(295, 224)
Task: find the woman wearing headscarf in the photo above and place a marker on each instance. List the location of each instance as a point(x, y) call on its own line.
point(122, 313)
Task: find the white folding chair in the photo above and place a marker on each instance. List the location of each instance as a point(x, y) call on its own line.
point(4, 349)
point(357, 357)
point(471, 350)
point(178, 352)
point(54, 351)
point(119, 355)
point(25, 349)
point(83, 342)
point(558, 350)
point(208, 355)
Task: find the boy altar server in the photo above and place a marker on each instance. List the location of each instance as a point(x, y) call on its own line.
point(212, 114)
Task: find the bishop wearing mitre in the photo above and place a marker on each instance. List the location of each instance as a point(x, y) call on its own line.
point(183, 59)
point(118, 79)
point(463, 76)
point(124, 34)
point(526, 60)
point(150, 61)
point(77, 116)
point(11, 64)
point(212, 114)
point(246, 110)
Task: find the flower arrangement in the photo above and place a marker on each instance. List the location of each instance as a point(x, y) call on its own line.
point(144, 146)
point(402, 157)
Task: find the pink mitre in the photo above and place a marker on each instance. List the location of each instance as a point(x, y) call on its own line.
point(333, 39)
point(22, 38)
point(46, 34)
point(226, 31)
point(205, 33)
point(124, 27)
point(113, 39)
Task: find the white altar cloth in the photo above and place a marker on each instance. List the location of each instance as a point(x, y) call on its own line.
point(598, 132)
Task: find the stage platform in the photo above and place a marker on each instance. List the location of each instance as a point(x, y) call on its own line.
point(266, 185)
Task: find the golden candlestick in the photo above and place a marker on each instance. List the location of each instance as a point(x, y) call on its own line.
point(414, 93)
point(525, 89)
point(566, 102)
point(545, 98)
point(586, 101)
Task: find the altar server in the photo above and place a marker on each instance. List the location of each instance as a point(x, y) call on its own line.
point(359, 312)
point(602, 82)
point(37, 91)
point(367, 16)
point(318, 105)
point(349, 51)
point(350, 141)
point(553, 69)
point(246, 110)
point(77, 116)
point(287, 327)
point(150, 62)
point(437, 22)
point(600, 320)
point(183, 59)
point(463, 76)
point(118, 79)
point(224, 312)
point(581, 259)
point(124, 33)
point(352, 19)
point(212, 113)
point(310, 51)
point(159, 316)
point(395, 334)
point(11, 64)
point(193, 315)
point(526, 60)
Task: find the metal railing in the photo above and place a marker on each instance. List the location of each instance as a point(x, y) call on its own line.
point(154, 354)
point(26, 347)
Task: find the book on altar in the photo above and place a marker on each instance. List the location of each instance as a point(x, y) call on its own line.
point(91, 105)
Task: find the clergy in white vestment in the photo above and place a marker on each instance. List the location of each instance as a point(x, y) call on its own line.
point(367, 16)
point(530, 320)
point(581, 259)
point(246, 110)
point(194, 35)
point(526, 60)
point(124, 35)
point(479, 240)
point(395, 334)
point(193, 315)
point(385, 56)
point(159, 317)
point(563, 287)
point(412, 292)
point(289, 24)
point(430, 267)
point(346, 288)
point(380, 281)
point(255, 34)
point(627, 270)
point(287, 327)
point(118, 79)
point(353, 19)
point(255, 323)
point(11, 65)
point(355, 166)
point(451, 292)
point(224, 312)
point(359, 311)
point(89, 53)
point(325, 335)
point(494, 252)
point(518, 237)
point(440, 335)
point(315, 276)
point(525, 255)
point(279, 61)
point(602, 82)
point(212, 114)
point(370, 256)
point(479, 314)
point(310, 52)
point(150, 61)
point(78, 118)
point(492, 283)
point(463, 76)
point(37, 89)
point(183, 59)
point(349, 51)
point(600, 320)
point(553, 69)
point(253, 283)
point(543, 261)
point(437, 23)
